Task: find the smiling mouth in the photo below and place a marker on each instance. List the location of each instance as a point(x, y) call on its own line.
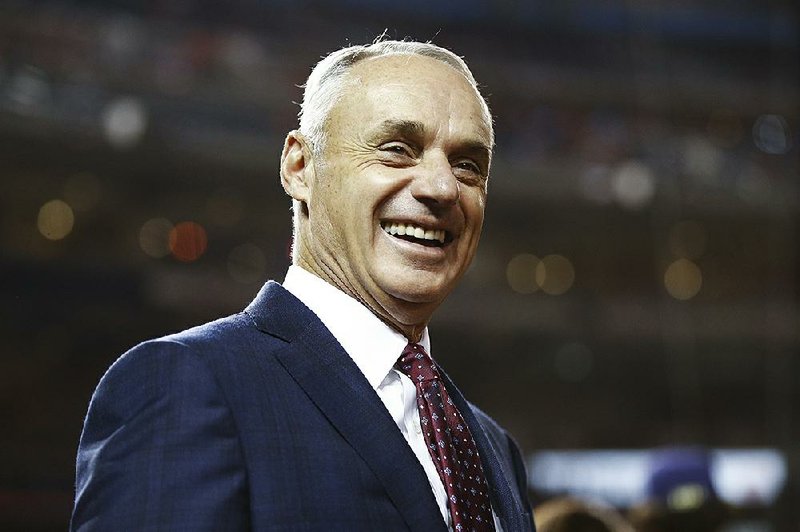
point(417, 234)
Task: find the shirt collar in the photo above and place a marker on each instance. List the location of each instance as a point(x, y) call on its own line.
point(373, 345)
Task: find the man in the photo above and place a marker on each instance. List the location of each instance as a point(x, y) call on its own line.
point(300, 413)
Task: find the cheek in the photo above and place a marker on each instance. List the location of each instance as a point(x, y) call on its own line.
point(473, 208)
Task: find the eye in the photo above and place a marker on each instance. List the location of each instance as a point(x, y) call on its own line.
point(470, 166)
point(397, 148)
point(469, 172)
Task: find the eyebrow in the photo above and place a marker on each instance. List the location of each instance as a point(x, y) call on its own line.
point(478, 150)
point(406, 128)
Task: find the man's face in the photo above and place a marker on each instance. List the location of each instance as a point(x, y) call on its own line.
point(408, 151)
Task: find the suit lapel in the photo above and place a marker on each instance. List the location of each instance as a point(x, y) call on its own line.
point(326, 373)
point(504, 503)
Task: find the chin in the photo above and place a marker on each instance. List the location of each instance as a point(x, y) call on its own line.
point(416, 285)
point(417, 297)
point(415, 290)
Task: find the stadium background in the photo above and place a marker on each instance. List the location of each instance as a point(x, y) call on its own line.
point(637, 281)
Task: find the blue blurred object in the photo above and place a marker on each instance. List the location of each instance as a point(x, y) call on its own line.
point(680, 478)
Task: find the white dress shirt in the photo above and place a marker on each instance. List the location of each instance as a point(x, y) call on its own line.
point(374, 347)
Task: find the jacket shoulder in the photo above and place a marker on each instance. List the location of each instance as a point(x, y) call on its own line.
point(159, 424)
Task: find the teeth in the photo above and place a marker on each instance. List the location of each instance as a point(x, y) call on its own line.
point(400, 229)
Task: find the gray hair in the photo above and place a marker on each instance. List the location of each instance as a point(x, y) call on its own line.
point(327, 81)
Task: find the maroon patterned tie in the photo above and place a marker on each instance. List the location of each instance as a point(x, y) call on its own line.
point(450, 444)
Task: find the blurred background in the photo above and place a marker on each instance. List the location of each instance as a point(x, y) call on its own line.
point(637, 282)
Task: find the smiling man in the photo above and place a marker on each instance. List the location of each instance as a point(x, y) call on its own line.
point(319, 407)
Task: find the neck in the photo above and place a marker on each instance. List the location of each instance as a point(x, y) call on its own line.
point(409, 319)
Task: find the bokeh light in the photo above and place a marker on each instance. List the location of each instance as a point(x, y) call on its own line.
point(688, 239)
point(521, 273)
point(154, 237)
point(55, 220)
point(29, 89)
point(633, 184)
point(188, 241)
point(124, 122)
point(247, 264)
point(555, 274)
point(771, 134)
point(683, 279)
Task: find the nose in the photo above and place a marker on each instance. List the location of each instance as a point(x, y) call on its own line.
point(434, 182)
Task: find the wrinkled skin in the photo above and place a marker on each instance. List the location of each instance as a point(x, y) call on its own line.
point(409, 142)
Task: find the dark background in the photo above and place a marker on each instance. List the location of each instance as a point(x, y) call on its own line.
point(650, 146)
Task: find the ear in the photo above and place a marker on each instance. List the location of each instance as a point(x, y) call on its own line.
point(297, 167)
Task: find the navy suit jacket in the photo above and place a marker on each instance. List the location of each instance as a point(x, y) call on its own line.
point(261, 421)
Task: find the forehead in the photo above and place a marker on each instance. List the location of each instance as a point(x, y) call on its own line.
point(412, 87)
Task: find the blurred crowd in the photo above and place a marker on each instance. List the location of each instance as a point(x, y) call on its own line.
point(679, 496)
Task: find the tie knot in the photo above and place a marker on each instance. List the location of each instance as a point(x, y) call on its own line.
point(417, 364)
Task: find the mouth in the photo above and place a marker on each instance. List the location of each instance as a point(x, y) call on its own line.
point(417, 234)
